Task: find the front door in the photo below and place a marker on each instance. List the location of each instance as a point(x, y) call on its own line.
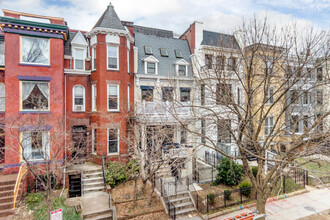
point(79, 140)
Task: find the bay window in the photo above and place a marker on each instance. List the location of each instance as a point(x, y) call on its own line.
point(34, 50)
point(113, 97)
point(78, 98)
point(94, 58)
point(35, 145)
point(34, 95)
point(112, 57)
point(113, 141)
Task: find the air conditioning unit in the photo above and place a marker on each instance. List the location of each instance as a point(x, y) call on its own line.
point(79, 108)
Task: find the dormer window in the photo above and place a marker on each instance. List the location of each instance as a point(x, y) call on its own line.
point(79, 59)
point(148, 50)
point(182, 70)
point(181, 67)
point(178, 53)
point(150, 65)
point(163, 52)
point(151, 68)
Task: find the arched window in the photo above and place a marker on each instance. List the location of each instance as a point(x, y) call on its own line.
point(2, 97)
point(78, 98)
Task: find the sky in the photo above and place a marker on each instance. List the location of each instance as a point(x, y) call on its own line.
point(176, 15)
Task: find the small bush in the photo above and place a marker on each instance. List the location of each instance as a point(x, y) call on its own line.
point(33, 200)
point(230, 173)
point(245, 188)
point(255, 171)
point(116, 173)
point(133, 167)
point(227, 194)
point(210, 198)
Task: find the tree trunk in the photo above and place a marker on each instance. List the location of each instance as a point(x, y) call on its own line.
point(150, 193)
point(135, 191)
point(261, 203)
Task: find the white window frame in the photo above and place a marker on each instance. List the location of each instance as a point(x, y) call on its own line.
point(127, 60)
point(21, 54)
point(47, 148)
point(3, 64)
point(118, 144)
point(73, 98)
point(111, 45)
point(21, 98)
point(146, 68)
point(93, 140)
point(270, 98)
point(128, 98)
point(83, 58)
point(94, 97)
point(118, 98)
point(268, 127)
point(3, 97)
point(93, 57)
point(177, 69)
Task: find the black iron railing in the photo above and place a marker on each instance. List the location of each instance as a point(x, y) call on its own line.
point(103, 170)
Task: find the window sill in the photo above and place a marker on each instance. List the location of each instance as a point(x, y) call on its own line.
point(113, 111)
point(32, 64)
point(2, 112)
point(34, 112)
point(113, 70)
point(113, 154)
point(78, 111)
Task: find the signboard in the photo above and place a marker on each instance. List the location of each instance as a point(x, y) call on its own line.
point(56, 215)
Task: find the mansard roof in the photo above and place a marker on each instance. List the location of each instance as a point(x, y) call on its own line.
point(109, 19)
point(166, 64)
point(216, 39)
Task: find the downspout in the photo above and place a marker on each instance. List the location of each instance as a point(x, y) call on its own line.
point(65, 162)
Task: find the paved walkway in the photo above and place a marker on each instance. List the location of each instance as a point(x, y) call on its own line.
point(296, 207)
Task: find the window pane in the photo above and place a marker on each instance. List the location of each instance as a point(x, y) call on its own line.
point(79, 54)
point(35, 145)
point(112, 89)
point(34, 95)
point(147, 95)
point(2, 53)
point(151, 67)
point(164, 52)
point(113, 141)
point(35, 50)
point(112, 63)
point(167, 94)
point(79, 64)
point(182, 70)
point(185, 96)
point(79, 91)
point(178, 53)
point(147, 50)
point(112, 51)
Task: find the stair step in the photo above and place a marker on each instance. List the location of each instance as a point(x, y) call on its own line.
point(93, 171)
point(6, 199)
point(183, 204)
point(93, 175)
point(179, 199)
point(101, 217)
point(6, 205)
point(95, 215)
point(6, 193)
point(10, 182)
point(93, 189)
point(7, 212)
point(99, 183)
point(184, 211)
point(93, 179)
point(7, 187)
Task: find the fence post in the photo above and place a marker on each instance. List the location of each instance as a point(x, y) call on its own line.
point(295, 175)
point(212, 173)
point(304, 176)
point(161, 186)
point(207, 203)
point(283, 183)
point(307, 177)
point(224, 198)
point(240, 193)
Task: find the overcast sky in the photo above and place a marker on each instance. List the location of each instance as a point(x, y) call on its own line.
point(217, 15)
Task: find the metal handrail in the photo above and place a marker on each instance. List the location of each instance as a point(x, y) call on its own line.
point(103, 170)
point(82, 179)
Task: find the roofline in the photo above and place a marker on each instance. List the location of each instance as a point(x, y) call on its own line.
point(162, 37)
point(190, 26)
point(75, 30)
point(104, 30)
point(34, 23)
point(151, 28)
point(32, 15)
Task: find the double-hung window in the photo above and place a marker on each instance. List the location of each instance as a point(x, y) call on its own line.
point(78, 98)
point(224, 135)
point(269, 125)
point(223, 94)
point(306, 99)
point(319, 97)
point(113, 140)
point(94, 95)
point(128, 98)
point(182, 70)
point(151, 68)
point(270, 96)
point(202, 94)
point(184, 94)
point(2, 97)
point(183, 134)
point(147, 94)
point(93, 58)
point(113, 57)
point(294, 123)
point(34, 95)
point(2, 53)
point(79, 59)
point(167, 94)
point(34, 50)
point(113, 97)
point(232, 63)
point(35, 145)
point(208, 61)
point(127, 61)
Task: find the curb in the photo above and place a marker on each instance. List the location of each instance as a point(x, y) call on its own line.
point(237, 208)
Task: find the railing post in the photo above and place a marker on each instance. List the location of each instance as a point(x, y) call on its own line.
point(224, 199)
point(240, 193)
point(161, 187)
point(212, 173)
point(207, 203)
point(295, 175)
point(283, 183)
point(307, 177)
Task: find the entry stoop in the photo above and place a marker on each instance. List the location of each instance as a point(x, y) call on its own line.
point(7, 185)
point(183, 204)
point(95, 206)
point(93, 181)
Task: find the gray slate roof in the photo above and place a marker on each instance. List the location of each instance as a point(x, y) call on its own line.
point(109, 19)
point(219, 40)
point(67, 44)
point(166, 65)
point(152, 31)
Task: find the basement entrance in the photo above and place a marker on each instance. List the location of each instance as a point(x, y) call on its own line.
point(74, 185)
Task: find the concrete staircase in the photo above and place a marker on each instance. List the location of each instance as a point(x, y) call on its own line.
point(93, 181)
point(96, 206)
point(164, 171)
point(183, 204)
point(7, 185)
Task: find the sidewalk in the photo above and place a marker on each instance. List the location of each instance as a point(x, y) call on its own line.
point(313, 202)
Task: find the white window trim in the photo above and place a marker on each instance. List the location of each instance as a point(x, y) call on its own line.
point(73, 97)
point(150, 59)
point(4, 58)
point(268, 126)
point(128, 98)
point(47, 149)
point(93, 56)
point(127, 60)
point(118, 144)
point(112, 45)
point(268, 97)
point(177, 69)
point(21, 54)
point(93, 141)
point(74, 57)
point(4, 98)
point(94, 95)
point(118, 103)
point(21, 100)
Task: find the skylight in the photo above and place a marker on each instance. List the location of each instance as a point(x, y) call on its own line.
point(163, 52)
point(148, 50)
point(178, 53)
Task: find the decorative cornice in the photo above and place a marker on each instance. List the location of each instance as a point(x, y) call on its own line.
point(77, 72)
point(101, 30)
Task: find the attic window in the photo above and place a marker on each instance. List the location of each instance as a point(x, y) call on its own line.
point(148, 50)
point(163, 52)
point(178, 53)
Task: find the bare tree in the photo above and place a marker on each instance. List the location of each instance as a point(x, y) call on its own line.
point(258, 94)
